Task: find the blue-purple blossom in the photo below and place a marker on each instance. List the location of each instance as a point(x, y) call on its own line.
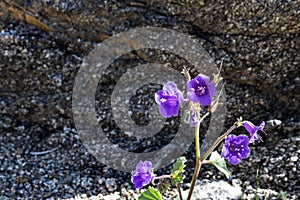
point(252, 129)
point(169, 100)
point(236, 148)
point(194, 118)
point(201, 90)
point(142, 175)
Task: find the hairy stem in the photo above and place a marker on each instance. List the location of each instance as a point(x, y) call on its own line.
point(162, 177)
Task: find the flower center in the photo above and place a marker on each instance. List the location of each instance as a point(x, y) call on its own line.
point(237, 148)
point(201, 90)
point(234, 148)
point(162, 100)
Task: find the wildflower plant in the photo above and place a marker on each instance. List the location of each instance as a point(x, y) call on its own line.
point(200, 92)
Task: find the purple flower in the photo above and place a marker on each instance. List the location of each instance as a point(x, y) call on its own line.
point(236, 148)
point(169, 100)
point(142, 175)
point(201, 90)
point(252, 129)
point(194, 118)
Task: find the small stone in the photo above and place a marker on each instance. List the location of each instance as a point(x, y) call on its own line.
point(110, 184)
point(294, 158)
point(236, 182)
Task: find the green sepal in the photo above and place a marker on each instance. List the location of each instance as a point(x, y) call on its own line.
point(178, 169)
point(220, 163)
point(150, 194)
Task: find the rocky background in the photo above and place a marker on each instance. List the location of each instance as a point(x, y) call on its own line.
point(43, 43)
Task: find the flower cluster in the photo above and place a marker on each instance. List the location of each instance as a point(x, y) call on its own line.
point(199, 90)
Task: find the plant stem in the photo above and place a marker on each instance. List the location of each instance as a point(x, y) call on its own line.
point(196, 173)
point(179, 191)
point(198, 162)
point(206, 162)
point(220, 139)
point(202, 118)
point(197, 141)
point(162, 177)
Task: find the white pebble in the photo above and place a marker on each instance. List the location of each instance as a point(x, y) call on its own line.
point(294, 158)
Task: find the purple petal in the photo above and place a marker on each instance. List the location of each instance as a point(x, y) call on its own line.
point(246, 152)
point(139, 166)
point(169, 108)
point(164, 112)
point(252, 129)
point(229, 138)
point(171, 88)
point(136, 180)
point(144, 166)
point(261, 126)
point(205, 100)
point(242, 140)
point(192, 96)
point(158, 96)
point(141, 179)
point(210, 85)
point(249, 127)
point(200, 78)
point(147, 166)
point(211, 89)
point(192, 84)
point(254, 137)
point(234, 160)
point(225, 152)
point(180, 96)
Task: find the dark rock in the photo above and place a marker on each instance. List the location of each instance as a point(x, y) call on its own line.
point(43, 43)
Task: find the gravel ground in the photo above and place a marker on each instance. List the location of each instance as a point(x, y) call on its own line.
point(60, 167)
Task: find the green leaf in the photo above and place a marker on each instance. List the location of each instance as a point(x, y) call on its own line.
point(220, 163)
point(178, 178)
point(179, 165)
point(178, 169)
point(150, 194)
